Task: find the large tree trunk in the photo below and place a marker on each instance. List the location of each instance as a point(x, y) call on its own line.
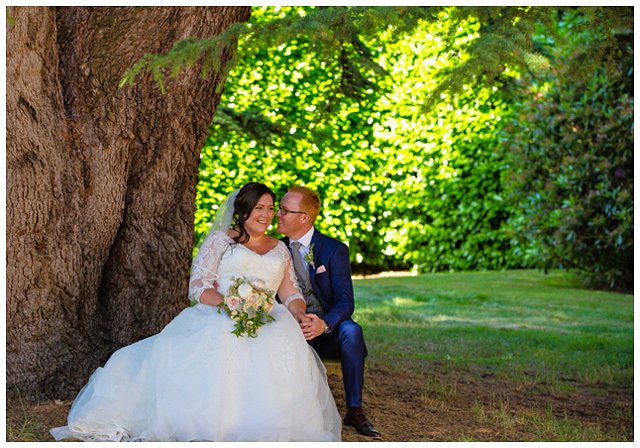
point(100, 184)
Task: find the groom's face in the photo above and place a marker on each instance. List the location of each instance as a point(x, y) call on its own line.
point(291, 224)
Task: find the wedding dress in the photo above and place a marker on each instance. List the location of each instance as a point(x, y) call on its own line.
point(196, 381)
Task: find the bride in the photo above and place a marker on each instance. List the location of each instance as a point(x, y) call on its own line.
point(195, 380)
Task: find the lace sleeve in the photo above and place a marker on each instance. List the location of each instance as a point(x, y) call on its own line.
point(205, 266)
point(289, 289)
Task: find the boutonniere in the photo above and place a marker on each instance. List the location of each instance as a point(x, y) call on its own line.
point(309, 257)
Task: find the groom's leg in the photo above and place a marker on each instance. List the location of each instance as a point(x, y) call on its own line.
point(347, 340)
point(348, 336)
point(347, 343)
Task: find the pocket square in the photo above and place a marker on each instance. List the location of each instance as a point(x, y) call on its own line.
point(321, 269)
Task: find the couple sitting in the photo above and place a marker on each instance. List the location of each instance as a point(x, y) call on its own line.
point(195, 380)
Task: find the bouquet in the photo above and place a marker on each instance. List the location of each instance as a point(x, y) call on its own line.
point(248, 303)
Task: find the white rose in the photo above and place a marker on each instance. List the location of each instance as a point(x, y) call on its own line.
point(244, 290)
point(259, 283)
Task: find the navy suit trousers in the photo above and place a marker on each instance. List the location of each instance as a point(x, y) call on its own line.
point(347, 343)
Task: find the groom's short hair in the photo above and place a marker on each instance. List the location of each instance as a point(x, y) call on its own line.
point(310, 200)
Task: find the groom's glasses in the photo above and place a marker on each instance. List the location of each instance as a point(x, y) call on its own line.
point(285, 211)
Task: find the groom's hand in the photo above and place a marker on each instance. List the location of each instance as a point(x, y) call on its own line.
point(314, 327)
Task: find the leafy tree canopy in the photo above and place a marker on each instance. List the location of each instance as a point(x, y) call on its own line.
point(407, 130)
point(505, 38)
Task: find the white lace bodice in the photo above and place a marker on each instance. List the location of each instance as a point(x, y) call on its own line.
point(238, 260)
point(220, 259)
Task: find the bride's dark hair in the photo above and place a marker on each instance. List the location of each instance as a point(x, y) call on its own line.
point(247, 198)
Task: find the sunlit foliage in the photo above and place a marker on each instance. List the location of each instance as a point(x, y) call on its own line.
point(403, 187)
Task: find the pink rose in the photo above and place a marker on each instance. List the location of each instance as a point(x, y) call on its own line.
point(233, 302)
point(253, 300)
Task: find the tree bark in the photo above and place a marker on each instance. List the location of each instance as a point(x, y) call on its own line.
point(100, 184)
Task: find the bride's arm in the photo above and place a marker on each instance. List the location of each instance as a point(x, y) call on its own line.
point(289, 291)
point(204, 271)
point(298, 308)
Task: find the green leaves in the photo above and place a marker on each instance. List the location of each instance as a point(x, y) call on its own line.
point(574, 162)
point(405, 189)
point(516, 159)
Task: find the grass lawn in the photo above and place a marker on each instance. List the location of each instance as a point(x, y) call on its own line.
point(514, 328)
point(516, 323)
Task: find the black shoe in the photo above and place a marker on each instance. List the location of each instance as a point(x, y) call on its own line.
point(361, 423)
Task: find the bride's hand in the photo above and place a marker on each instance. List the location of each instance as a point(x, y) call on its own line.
point(301, 317)
point(211, 297)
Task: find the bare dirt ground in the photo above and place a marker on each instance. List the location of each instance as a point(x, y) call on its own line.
point(434, 405)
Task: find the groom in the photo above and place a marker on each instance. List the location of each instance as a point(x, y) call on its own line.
point(324, 274)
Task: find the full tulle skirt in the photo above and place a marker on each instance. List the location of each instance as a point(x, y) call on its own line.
point(196, 381)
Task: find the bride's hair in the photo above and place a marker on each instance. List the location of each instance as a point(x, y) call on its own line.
point(247, 198)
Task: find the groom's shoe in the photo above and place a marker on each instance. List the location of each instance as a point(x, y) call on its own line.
point(355, 417)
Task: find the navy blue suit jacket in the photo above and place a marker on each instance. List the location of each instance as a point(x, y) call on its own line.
point(333, 287)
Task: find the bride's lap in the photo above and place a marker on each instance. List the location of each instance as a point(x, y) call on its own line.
point(201, 336)
point(196, 379)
